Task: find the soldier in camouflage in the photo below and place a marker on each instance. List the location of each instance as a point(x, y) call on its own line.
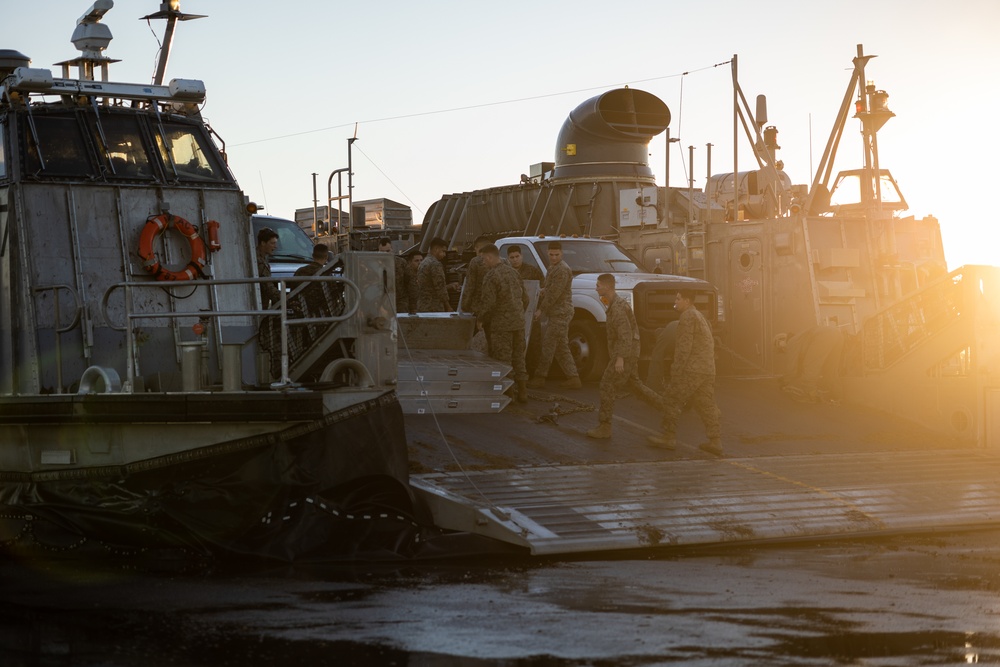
point(692, 377)
point(557, 305)
point(515, 257)
point(432, 290)
point(623, 356)
point(270, 326)
point(527, 271)
point(501, 307)
point(474, 279)
point(406, 280)
point(473, 289)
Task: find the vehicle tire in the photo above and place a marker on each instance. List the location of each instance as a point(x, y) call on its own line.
point(588, 344)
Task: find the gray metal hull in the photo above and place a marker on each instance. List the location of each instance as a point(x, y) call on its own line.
point(320, 485)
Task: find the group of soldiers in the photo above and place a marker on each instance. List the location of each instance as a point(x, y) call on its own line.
point(495, 293)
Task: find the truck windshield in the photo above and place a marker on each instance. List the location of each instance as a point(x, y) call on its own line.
point(588, 256)
point(293, 243)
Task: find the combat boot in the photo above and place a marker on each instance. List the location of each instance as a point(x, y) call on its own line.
point(537, 382)
point(571, 383)
point(713, 447)
point(666, 441)
point(522, 391)
point(602, 432)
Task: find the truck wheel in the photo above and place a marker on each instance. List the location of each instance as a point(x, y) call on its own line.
point(589, 346)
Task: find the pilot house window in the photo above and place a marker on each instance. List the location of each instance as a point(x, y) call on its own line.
point(125, 154)
point(184, 155)
point(60, 149)
point(117, 144)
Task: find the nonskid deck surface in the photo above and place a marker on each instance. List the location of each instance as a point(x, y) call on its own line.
point(564, 509)
point(791, 471)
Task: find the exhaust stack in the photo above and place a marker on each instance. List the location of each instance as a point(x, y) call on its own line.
point(608, 136)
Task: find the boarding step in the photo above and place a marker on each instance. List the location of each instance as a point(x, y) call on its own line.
point(443, 388)
point(443, 381)
point(439, 405)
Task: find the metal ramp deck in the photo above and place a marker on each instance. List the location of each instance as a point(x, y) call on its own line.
point(613, 506)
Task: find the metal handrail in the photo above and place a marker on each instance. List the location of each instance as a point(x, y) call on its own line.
point(57, 316)
point(890, 334)
point(281, 310)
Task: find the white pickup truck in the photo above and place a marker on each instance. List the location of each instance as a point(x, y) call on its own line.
point(294, 245)
point(651, 294)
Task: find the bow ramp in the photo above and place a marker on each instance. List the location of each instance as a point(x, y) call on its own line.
point(615, 506)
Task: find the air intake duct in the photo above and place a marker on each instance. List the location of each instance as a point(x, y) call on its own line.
point(608, 136)
point(11, 60)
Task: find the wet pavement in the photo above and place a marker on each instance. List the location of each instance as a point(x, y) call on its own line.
point(918, 599)
point(909, 600)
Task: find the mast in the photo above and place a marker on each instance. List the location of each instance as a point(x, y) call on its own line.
point(170, 11)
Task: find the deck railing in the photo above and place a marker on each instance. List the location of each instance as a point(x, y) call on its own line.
point(292, 326)
point(891, 334)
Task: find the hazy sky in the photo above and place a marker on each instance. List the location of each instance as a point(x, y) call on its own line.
point(453, 96)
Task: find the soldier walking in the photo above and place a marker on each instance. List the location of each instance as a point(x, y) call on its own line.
point(623, 357)
point(692, 377)
point(557, 306)
point(501, 307)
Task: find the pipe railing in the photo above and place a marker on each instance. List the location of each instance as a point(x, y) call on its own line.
point(281, 311)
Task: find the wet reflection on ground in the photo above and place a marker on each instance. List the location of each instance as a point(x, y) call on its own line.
point(901, 601)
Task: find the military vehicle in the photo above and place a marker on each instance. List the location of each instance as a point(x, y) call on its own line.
point(148, 401)
point(784, 258)
point(650, 295)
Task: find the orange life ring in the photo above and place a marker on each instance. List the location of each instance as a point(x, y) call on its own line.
point(154, 226)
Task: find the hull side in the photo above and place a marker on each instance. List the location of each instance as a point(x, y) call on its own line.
point(327, 489)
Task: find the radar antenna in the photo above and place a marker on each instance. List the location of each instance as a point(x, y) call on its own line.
point(91, 37)
point(171, 11)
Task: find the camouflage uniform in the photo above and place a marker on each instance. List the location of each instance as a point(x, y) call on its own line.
point(432, 290)
point(473, 285)
point(473, 294)
point(502, 303)
point(532, 272)
point(313, 293)
point(406, 286)
point(315, 302)
point(662, 357)
point(692, 375)
point(269, 295)
point(269, 334)
point(557, 306)
point(623, 341)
